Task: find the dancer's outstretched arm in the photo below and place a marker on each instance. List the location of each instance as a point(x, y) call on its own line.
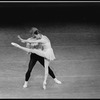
point(31, 40)
point(34, 41)
point(23, 40)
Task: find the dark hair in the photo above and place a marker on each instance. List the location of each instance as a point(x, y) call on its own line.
point(36, 32)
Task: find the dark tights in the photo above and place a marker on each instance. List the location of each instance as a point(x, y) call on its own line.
point(33, 59)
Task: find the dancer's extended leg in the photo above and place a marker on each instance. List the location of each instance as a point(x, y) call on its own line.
point(36, 51)
point(46, 73)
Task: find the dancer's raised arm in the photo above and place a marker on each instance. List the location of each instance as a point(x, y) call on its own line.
point(27, 40)
point(22, 40)
point(34, 40)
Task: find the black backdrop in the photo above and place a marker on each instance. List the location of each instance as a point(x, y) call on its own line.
point(20, 13)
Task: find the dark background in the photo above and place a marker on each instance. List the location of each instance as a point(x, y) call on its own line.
point(70, 12)
point(68, 23)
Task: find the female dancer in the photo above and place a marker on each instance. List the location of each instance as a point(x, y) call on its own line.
point(46, 52)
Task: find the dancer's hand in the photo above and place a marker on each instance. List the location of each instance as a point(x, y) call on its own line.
point(20, 38)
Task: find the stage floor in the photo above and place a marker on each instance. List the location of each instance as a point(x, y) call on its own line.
point(76, 65)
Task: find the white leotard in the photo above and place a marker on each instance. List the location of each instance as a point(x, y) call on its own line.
point(47, 48)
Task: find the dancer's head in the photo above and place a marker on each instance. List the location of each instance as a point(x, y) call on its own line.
point(35, 32)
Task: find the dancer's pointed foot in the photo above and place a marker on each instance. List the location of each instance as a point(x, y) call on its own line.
point(44, 85)
point(57, 81)
point(15, 44)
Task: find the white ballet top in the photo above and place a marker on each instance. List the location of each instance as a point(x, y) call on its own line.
point(47, 49)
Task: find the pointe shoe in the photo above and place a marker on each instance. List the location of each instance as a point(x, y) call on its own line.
point(57, 81)
point(15, 44)
point(44, 86)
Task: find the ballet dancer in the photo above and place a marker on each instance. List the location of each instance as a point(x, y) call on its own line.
point(46, 53)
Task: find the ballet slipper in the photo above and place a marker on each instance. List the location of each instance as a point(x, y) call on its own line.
point(25, 85)
point(57, 81)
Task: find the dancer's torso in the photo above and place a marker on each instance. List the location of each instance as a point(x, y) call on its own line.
point(42, 45)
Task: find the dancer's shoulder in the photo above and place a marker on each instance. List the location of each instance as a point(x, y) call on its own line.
point(46, 38)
